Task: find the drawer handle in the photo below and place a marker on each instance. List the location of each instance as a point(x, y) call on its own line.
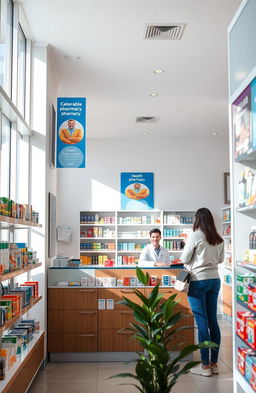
point(87, 312)
point(126, 312)
point(88, 335)
point(165, 291)
point(87, 290)
point(126, 291)
point(125, 332)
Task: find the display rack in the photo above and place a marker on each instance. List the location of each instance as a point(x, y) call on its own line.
point(227, 265)
point(121, 235)
point(37, 343)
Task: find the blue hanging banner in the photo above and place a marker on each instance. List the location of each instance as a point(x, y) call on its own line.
point(71, 132)
point(137, 190)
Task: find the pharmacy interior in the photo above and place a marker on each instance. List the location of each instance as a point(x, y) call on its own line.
point(81, 188)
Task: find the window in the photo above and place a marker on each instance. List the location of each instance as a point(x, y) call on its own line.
point(5, 157)
point(22, 169)
point(6, 28)
point(21, 71)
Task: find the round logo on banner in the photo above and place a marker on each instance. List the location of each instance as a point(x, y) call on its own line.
point(71, 157)
point(71, 132)
point(137, 191)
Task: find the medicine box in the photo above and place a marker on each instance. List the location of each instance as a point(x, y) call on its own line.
point(241, 356)
point(251, 332)
point(242, 283)
point(241, 323)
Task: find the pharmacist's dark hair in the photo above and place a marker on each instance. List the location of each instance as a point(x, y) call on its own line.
point(204, 221)
point(155, 230)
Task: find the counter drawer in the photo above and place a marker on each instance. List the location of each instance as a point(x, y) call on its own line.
point(112, 341)
point(68, 321)
point(117, 294)
point(72, 299)
point(72, 342)
point(115, 319)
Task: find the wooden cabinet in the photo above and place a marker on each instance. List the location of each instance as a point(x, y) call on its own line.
point(75, 324)
point(227, 300)
point(72, 299)
point(72, 320)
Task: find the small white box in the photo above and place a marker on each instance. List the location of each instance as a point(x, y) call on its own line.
point(101, 304)
point(110, 304)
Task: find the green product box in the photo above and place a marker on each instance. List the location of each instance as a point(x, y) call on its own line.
point(8, 305)
point(242, 283)
point(14, 340)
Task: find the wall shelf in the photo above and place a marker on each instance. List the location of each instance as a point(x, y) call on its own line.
point(18, 221)
point(7, 276)
point(11, 321)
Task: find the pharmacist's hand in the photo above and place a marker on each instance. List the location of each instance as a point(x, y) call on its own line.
point(160, 264)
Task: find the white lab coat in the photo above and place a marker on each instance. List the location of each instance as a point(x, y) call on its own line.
point(149, 254)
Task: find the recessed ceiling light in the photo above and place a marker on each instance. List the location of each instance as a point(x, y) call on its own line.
point(158, 71)
point(213, 133)
point(153, 94)
point(145, 133)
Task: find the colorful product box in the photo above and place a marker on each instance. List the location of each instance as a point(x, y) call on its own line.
point(241, 323)
point(253, 377)
point(241, 356)
point(250, 360)
point(251, 332)
point(16, 303)
point(242, 282)
point(252, 296)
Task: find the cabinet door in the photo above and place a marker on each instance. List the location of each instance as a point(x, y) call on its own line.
point(72, 299)
point(73, 342)
point(227, 300)
point(68, 321)
point(114, 341)
point(117, 295)
point(115, 319)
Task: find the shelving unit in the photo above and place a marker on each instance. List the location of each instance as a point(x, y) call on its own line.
point(227, 265)
point(242, 160)
point(33, 356)
point(130, 233)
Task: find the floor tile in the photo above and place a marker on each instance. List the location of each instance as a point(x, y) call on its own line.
point(72, 387)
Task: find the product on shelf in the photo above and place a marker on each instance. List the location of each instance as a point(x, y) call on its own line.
point(251, 332)
point(241, 323)
point(177, 219)
point(241, 358)
point(252, 296)
point(9, 208)
point(90, 218)
point(243, 280)
point(226, 215)
point(139, 220)
point(227, 279)
point(174, 245)
point(247, 188)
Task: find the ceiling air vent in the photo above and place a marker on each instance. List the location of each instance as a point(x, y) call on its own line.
point(146, 119)
point(165, 32)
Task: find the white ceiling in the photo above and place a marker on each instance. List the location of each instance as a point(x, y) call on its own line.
point(99, 51)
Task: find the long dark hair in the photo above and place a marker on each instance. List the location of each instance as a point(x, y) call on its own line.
point(204, 221)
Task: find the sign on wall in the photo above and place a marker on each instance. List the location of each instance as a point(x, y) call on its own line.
point(71, 132)
point(137, 190)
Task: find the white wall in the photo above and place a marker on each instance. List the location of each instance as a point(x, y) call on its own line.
point(187, 175)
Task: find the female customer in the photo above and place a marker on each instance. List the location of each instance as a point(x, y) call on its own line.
point(203, 251)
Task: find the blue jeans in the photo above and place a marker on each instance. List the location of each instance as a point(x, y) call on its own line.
point(203, 297)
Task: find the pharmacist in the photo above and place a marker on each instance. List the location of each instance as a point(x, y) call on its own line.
point(154, 252)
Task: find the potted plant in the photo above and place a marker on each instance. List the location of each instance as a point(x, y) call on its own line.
point(157, 370)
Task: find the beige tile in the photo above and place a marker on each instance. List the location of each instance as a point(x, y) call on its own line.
point(39, 387)
point(69, 371)
point(72, 387)
point(185, 387)
point(216, 386)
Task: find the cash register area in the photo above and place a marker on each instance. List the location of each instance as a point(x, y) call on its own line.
point(92, 377)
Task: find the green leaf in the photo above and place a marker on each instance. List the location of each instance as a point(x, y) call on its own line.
point(141, 296)
point(141, 316)
point(153, 295)
point(140, 329)
point(144, 278)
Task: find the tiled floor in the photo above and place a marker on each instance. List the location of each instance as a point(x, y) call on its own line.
point(93, 377)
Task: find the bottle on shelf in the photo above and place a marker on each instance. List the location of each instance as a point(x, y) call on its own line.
point(242, 190)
